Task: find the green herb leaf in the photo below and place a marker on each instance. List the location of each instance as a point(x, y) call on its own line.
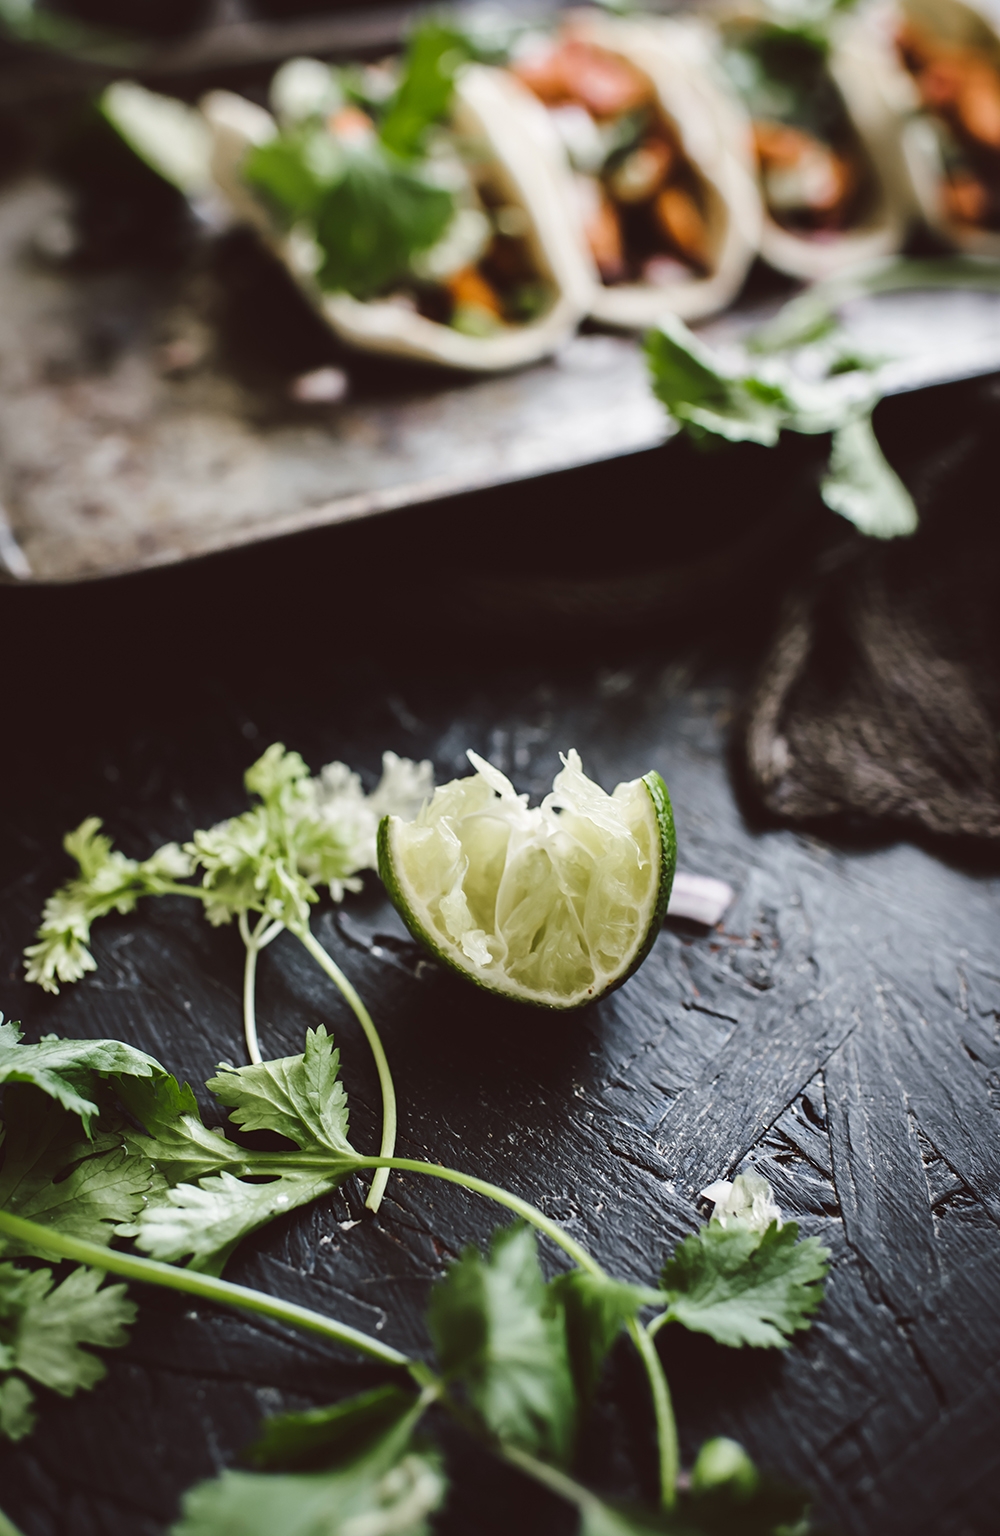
point(368, 211)
point(390, 1490)
point(705, 397)
point(324, 1435)
point(43, 1328)
point(305, 833)
point(17, 1416)
point(166, 133)
point(380, 215)
point(424, 94)
point(500, 1332)
point(298, 1096)
point(596, 1308)
point(66, 1069)
point(862, 486)
point(177, 1142)
point(745, 1287)
point(205, 1221)
point(108, 882)
point(710, 400)
point(51, 1175)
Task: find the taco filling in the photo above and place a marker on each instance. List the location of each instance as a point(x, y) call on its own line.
point(381, 196)
point(814, 171)
point(959, 89)
point(642, 204)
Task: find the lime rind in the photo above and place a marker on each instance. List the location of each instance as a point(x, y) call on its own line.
point(554, 905)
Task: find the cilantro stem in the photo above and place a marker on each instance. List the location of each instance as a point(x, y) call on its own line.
point(663, 1409)
point(7, 1527)
point(152, 1272)
point(255, 941)
point(530, 1213)
point(557, 1482)
point(388, 1146)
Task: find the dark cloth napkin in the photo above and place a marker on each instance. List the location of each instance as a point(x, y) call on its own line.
point(879, 697)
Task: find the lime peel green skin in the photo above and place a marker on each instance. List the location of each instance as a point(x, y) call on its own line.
point(657, 791)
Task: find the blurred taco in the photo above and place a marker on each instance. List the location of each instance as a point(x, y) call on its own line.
point(822, 90)
point(419, 207)
point(951, 52)
point(661, 158)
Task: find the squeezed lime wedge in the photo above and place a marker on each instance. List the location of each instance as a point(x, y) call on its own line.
point(553, 905)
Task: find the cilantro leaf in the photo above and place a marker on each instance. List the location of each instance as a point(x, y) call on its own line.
point(206, 1220)
point(52, 1176)
point(246, 869)
point(706, 398)
point(745, 1287)
point(65, 1069)
point(390, 1489)
point(294, 169)
point(370, 212)
point(108, 882)
point(862, 486)
point(42, 1330)
point(17, 1416)
point(381, 214)
point(343, 1430)
point(710, 400)
point(501, 1334)
point(304, 833)
point(181, 1147)
point(271, 858)
point(300, 1097)
point(424, 93)
point(595, 1308)
point(211, 1205)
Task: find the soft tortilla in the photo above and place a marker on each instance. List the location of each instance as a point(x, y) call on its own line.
point(490, 108)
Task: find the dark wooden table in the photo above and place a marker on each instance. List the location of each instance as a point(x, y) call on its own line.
point(839, 1031)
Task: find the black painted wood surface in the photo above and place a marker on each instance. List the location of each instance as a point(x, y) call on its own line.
point(839, 1032)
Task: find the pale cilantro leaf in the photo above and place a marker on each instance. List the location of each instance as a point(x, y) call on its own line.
point(44, 1327)
point(204, 1222)
point(300, 1097)
point(708, 399)
point(107, 882)
point(500, 1333)
point(862, 485)
point(390, 1489)
point(745, 1287)
point(304, 833)
point(596, 1309)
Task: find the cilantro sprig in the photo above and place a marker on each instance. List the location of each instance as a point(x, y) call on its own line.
point(798, 375)
point(265, 868)
point(518, 1358)
point(715, 401)
point(101, 1146)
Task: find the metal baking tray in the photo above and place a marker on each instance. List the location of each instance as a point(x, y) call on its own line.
point(148, 412)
